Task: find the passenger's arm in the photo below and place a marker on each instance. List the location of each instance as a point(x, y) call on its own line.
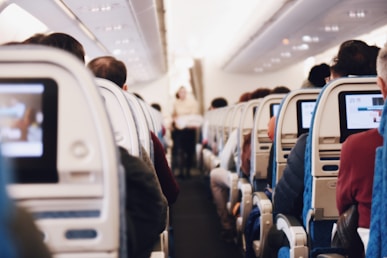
point(167, 181)
point(146, 206)
point(290, 188)
point(343, 188)
point(27, 237)
point(246, 154)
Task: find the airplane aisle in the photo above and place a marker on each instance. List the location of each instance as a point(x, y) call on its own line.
point(196, 224)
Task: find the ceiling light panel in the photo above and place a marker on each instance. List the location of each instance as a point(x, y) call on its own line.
point(117, 26)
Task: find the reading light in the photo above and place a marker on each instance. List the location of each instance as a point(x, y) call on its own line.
point(286, 54)
point(332, 28)
point(122, 41)
point(301, 47)
point(356, 14)
point(310, 39)
point(117, 52)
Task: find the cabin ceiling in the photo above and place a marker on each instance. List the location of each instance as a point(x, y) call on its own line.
point(148, 34)
point(133, 31)
point(305, 28)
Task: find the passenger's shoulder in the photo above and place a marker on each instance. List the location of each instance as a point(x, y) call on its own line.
point(364, 136)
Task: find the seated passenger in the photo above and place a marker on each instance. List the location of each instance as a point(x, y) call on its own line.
point(146, 216)
point(19, 235)
point(252, 228)
point(357, 161)
point(318, 76)
point(353, 58)
point(114, 70)
point(215, 103)
point(145, 206)
point(219, 177)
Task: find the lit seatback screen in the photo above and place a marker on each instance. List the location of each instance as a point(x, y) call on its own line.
point(359, 111)
point(305, 110)
point(28, 128)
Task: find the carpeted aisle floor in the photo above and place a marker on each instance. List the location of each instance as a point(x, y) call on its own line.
point(196, 226)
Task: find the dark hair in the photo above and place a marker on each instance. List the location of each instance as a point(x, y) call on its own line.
point(374, 51)
point(35, 39)
point(65, 42)
point(260, 93)
point(355, 57)
point(280, 89)
point(109, 68)
point(138, 96)
point(244, 97)
point(156, 106)
point(219, 102)
point(318, 73)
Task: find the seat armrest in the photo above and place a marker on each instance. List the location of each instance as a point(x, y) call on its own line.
point(295, 233)
point(246, 203)
point(330, 256)
point(266, 220)
point(264, 204)
point(233, 197)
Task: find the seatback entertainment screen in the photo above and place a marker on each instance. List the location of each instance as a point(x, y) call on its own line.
point(305, 109)
point(28, 128)
point(359, 111)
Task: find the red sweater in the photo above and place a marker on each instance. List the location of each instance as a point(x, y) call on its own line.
point(168, 184)
point(355, 180)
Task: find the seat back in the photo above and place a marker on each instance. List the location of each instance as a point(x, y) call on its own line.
point(121, 117)
point(339, 107)
point(226, 124)
point(7, 245)
point(377, 234)
point(141, 123)
point(260, 141)
point(217, 123)
point(289, 126)
point(235, 118)
point(245, 126)
point(67, 174)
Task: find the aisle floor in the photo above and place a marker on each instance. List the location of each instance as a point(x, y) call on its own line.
point(195, 223)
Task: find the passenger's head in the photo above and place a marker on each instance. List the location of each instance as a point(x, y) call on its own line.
point(138, 96)
point(260, 93)
point(65, 42)
point(271, 128)
point(109, 68)
point(319, 74)
point(181, 93)
point(156, 106)
point(218, 102)
point(374, 51)
point(244, 97)
point(34, 39)
point(381, 67)
point(280, 90)
point(355, 57)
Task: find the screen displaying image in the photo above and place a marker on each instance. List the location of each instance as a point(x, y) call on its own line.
point(363, 111)
point(29, 128)
point(274, 109)
point(21, 119)
point(307, 108)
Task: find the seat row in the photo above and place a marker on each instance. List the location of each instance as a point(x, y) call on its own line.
point(330, 115)
point(67, 170)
